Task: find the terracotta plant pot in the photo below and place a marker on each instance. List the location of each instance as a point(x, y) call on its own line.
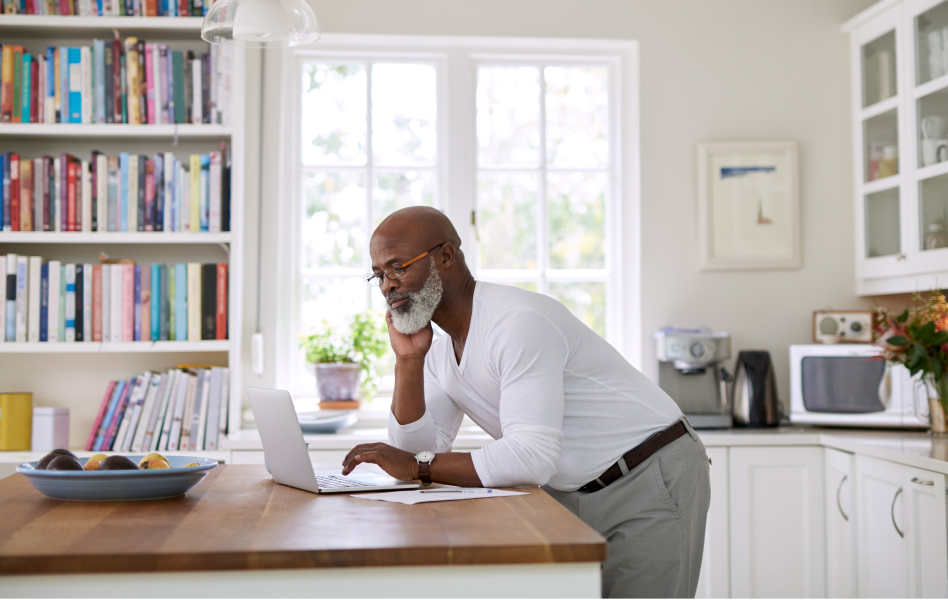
point(338, 384)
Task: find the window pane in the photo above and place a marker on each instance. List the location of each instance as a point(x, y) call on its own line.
point(393, 191)
point(334, 227)
point(334, 300)
point(333, 128)
point(507, 220)
point(586, 300)
point(404, 111)
point(576, 116)
point(508, 115)
point(577, 213)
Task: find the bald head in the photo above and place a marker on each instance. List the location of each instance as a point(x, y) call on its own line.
point(423, 225)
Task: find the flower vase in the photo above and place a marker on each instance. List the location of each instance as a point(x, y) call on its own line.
point(937, 400)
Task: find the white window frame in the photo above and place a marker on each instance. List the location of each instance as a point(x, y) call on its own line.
point(456, 60)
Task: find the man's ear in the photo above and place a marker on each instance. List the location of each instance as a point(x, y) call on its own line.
point(447, 256)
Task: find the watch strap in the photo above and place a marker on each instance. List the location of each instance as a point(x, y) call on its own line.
point(424, 472)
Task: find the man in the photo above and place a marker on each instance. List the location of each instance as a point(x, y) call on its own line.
point(566, 411)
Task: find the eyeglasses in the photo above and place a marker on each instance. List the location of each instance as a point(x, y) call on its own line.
point(398, 271)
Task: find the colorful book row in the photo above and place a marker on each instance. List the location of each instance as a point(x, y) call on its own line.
point(124, 192)
point(108, 8)
point(181, 409)
point(120, 302)
point(130, 81)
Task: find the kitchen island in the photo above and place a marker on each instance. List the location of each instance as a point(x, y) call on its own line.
point(238, 534)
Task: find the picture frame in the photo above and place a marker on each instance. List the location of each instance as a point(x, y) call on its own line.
point(748, 206)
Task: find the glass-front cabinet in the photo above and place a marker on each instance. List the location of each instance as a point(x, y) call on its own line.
point(900, 121)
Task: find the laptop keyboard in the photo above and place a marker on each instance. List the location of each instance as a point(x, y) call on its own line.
point(333, 481)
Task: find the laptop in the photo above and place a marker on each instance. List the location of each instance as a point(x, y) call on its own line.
point(288, 457)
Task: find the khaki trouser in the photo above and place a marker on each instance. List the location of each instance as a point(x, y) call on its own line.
point(653, 518)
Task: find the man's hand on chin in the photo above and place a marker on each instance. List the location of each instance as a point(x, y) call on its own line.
point(397, 463)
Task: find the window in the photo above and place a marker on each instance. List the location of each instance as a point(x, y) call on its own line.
point(518, 147)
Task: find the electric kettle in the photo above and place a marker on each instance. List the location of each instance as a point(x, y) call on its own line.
point(754, 394)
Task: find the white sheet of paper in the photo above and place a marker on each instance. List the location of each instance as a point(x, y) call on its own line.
point(416, 497)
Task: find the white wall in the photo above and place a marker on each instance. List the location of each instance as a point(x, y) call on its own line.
point(710, 70)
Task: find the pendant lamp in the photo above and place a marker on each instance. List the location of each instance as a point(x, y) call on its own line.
point(260, 23)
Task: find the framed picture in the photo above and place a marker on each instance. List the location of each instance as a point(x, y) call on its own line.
point(748, 206)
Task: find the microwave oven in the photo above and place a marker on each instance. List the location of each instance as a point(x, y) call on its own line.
point(850, 385)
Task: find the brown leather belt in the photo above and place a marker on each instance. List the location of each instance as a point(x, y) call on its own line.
point(636, 456)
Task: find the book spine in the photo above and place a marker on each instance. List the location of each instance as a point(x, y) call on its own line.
point(225, 405)
point(75, 85)
point(44, 304)
point(3, 298)
point(116, 302)
point(128, 303)
point(27, 70)
point(181, 302)
point(55, 191)
point(184, 389)
point(86, 186)
point(195, 196)
point(137, 307)
point(85, 61)
point(153, 435)
point(103, 429)
point(116, 81)
point(140, 182)
point(158, 208)
point(112, 431)
point(106, 303)
point(93, 167)
point(10, 286)
point(155, 297)
point(70, 302)
point(149, 189)
point(200, 422)
point(55, 300)
point(17, 84)
point(213, 410)
point(87, 302)
point(71, 196)
point(102, 191)
point(164, 304)
point(79, 297)
point(177, 79)
point(123, 205)
point(158, 83)
point(90, 443)
point(6, 84)
point(5, 165)
point(49, 186)
point(97, 303)
point(136, 436)
point(15, 191)
point(214, 221)
point(114, 193)
point(194, 302)
point(172, 302)
point(147, 425)
point(187, 419)
point(132, 201)
point(26, 194)
point(35, 289)
point(150, 83)
point(209, 301)
point(37, 216)
point(22, 300)
point(62, 303)
point(99, 50)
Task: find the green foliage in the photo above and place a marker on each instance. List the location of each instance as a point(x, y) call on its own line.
point(363, 342)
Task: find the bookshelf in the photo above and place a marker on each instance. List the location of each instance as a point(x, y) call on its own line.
point(68, 373)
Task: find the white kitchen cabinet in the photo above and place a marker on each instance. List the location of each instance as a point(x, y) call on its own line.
point(900, 145)
point(777, 522)
point(714, 581)
point(839, 504)
point(926, 533)
point(880, 522)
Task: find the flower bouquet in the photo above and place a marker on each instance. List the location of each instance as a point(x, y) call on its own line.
point(918, 339)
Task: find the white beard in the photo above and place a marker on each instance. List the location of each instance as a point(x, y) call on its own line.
point(415, 314)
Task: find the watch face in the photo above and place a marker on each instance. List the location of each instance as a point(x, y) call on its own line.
point(425, 456)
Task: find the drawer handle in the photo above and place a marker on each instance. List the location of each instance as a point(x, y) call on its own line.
point(892, 513)
point(920, 482)
point(838, 503)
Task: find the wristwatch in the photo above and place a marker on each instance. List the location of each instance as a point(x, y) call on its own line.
point(424, 459)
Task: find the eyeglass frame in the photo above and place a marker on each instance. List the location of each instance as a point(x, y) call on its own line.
point(401, 267)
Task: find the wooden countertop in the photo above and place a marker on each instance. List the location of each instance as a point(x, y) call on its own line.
point(237, 518)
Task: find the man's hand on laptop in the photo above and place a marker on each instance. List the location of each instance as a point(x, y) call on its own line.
point(397, 463)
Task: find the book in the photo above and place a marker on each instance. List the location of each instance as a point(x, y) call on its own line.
point(187, 419)
point(37, 216)
point(181, 301)
point(103, 407)
point(204, 185)
point(157, 431)
point(10, 304)
point(85, 67)
point(106, 303)
point(166, 294)
point(171, 429)
point(177, 78)
point(15, 191)
point(6, 84)
point(209, 301)
point(123, 203)
point(137, 436)
point(79, 297)
point(116, 302)
point(26, 195)
point(200, 423)
point(117, 392)
point(194, 302)
point(44, 303)
point(119, 414)
point(17, 84)
point(27, 69)
point(140, 183)
point(70, 302)
point(102, 192)
point(33, 309)
point(213, 409)
point(225, 405)
point(151, 416)
point(131, 72)
point(155, 297)
point(75, 85)
point(114, 193)
point(62, 303)
point(100, 63)
point(133, 209)
point(128, 303)
point(145, 303)
point(3, 299)
point(96, 303)
point(148, 189)
point(128, 414)
point(214, 216)
point(85, 180)
point(190, 383)
point(22, 299)
point(124, 439)
point(54, 332)
point(137, 304)
point(87, 302)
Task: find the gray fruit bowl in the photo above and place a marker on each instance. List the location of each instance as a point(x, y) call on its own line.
point(104, 486)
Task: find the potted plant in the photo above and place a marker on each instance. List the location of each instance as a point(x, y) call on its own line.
point(346, 360)
point(918, 339)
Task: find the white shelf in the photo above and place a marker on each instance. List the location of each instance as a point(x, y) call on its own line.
point(112, 237)
point(76, 130)
point(185, 28)
point(113, 347)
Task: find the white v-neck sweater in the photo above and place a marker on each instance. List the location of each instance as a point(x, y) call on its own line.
point(561, 403)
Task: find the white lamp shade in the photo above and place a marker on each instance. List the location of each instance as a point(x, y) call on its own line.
point(260, 23)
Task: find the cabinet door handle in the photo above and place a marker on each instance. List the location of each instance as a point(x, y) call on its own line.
point(920, 482)
point(838, 490)
point(892, 513)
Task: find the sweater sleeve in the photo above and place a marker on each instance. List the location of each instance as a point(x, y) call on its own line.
point(529, 355)
point(436, 429)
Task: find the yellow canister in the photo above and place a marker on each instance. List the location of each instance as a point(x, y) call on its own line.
point(16, 420)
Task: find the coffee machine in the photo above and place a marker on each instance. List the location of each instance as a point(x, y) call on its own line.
point(691, 371)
